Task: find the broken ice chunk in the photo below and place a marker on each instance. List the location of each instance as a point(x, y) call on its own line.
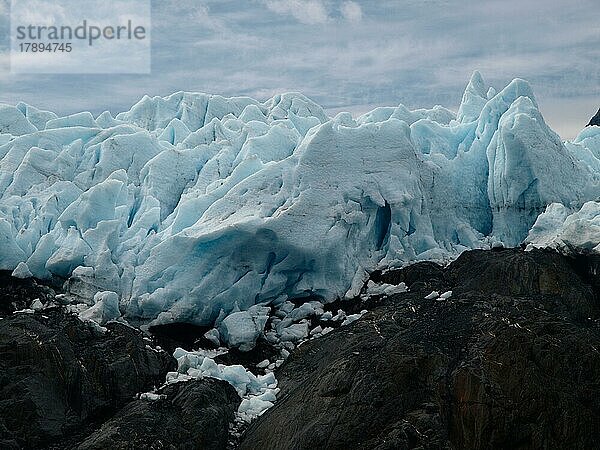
point(434, 294)
point(445, 295)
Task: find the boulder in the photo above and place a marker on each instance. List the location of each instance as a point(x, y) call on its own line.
point(185, 415)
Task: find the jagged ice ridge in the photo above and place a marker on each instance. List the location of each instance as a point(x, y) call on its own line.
point(195, 206)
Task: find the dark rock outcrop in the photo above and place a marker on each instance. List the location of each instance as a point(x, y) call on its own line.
point(191, 415)
point(510, 360)
point(17, 294)
point(595, 120)
point(67, 384)
point(60, 376)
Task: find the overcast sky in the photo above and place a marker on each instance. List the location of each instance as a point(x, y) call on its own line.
point(348, 55)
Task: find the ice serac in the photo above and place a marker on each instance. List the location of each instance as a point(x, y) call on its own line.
point(206, 209)
point(473, 100)
point(526, 160)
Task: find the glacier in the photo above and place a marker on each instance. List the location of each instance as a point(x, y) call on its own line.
point(196, 207)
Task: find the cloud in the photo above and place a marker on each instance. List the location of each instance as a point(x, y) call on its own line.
point(351, 11)
point(305, 11)
point(415, 52)
point(194, 11)
point(104, 56)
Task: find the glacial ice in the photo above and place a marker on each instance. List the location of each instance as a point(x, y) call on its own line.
point(383, 289)
point(446, 295)
point(197, 207)
point(105, 308)
point(258, 392)
point(21, 271)
point(241, 329)
point(566, 230)
point(432, 295)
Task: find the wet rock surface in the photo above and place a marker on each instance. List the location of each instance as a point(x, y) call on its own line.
point(510, 360)
point(186, 415)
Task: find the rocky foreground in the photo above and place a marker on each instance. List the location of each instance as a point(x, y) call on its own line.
point(509, 359)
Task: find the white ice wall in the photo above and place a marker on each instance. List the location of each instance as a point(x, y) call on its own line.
point(193, 205)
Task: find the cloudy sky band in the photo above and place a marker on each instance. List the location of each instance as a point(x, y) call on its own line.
point(348, 54)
